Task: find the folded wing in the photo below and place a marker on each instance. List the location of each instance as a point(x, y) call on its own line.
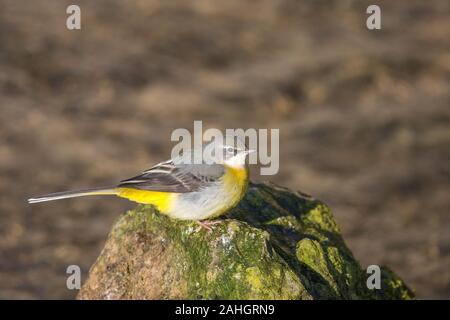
point(170, 177)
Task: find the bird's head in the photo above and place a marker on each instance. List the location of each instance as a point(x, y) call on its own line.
point(231, 153)
point(235, 157)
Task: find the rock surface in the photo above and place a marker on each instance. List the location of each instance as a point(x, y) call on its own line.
point(275, 244)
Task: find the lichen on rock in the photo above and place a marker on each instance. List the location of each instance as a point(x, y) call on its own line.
point(275, 244)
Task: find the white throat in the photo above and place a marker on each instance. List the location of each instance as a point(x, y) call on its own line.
point(238, 161)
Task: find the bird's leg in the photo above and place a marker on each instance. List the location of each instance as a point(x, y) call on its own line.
point(207, 224)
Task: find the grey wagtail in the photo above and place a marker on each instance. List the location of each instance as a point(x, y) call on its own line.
point(181, 189)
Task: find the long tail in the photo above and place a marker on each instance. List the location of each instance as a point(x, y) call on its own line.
point(74, 194)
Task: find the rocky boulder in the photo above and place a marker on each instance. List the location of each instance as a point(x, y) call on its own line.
point(276, 244)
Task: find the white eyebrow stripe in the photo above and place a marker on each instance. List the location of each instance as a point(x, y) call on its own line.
point(133, 181)
point(158, 171)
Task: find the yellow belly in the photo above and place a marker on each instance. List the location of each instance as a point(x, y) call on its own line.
point(161, 200)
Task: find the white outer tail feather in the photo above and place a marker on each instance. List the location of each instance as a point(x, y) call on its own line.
point(73, 194)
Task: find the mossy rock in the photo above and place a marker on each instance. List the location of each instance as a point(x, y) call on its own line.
point(275, 244)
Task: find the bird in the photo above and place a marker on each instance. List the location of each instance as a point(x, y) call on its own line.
point(183, 188)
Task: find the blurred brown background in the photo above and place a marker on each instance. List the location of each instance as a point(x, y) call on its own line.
point(363, 115)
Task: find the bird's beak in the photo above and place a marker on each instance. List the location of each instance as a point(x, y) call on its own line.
point(249, 151)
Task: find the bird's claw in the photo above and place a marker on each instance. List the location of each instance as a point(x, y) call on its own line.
point(208, 225)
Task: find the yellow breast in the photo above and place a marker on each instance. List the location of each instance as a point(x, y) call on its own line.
point(235, 178)
point(235, 183)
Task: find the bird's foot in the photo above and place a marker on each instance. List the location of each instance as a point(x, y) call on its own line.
point(207, 224)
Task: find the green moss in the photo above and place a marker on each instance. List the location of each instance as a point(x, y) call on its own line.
point(321, 217)
point(310, 253)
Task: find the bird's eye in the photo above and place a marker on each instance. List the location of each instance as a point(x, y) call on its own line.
point(230, 149)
